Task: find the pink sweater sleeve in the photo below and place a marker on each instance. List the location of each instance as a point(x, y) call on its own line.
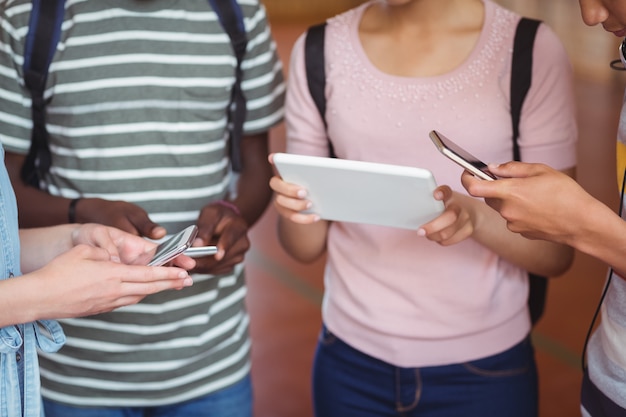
point(548, 125)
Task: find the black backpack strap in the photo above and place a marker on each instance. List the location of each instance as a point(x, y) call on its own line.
point(316, 73)
point(521, 79)
point(231, 18)
point(44, 31)
point(521, 73)
point(314, 63)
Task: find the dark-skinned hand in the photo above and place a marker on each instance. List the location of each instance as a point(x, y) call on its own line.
point(221, 226)
point(120, 214)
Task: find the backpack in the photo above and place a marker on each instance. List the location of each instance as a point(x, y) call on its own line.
point(521, 73)
point(44, 31)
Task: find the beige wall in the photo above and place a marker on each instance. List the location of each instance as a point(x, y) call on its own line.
point(306, 10)
point(590, 49)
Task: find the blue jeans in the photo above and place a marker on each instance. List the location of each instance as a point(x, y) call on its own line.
point(349, 383)
point(233, 401)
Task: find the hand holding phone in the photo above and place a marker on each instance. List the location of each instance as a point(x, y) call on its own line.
point(174, 246)
point(461, 156)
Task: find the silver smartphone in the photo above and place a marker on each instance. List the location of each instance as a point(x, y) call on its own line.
point(174, 246)
point(200, 251)
point(461, 156)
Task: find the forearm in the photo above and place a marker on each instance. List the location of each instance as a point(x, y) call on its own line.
point(253, 191)
point(304, 242)
point(537, 256)
point(20, 299)
point(36, 208)
point(40, 245)
point(602, 234)
point(253, 197)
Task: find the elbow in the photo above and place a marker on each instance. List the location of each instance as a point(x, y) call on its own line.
point(561, 262)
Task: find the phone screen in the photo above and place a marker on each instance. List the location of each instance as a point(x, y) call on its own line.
point(461, 156)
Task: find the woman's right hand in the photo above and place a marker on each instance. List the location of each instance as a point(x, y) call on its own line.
point(83, 281)
point(290, 200)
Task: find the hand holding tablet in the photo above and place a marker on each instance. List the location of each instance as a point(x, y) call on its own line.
point(363, 192)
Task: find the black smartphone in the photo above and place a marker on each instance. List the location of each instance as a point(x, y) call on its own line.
point(461, 156)
point(174, 246)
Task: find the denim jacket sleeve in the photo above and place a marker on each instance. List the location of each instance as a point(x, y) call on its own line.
point(19, 369)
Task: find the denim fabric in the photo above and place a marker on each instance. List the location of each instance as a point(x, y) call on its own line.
point(19, 370)
point(349, 383)
point(233, 401)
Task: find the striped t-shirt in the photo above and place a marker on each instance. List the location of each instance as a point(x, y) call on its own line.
point(139, 92)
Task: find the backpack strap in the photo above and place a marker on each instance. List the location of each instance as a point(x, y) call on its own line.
point(316, 73)
point(521, 73)
point(314, 63)
point(44, 31)
point(231, 17)
point(521, 78)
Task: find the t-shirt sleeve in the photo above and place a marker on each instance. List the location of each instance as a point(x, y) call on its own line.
point(548, 130)
point(263, 81)
point(306, 133)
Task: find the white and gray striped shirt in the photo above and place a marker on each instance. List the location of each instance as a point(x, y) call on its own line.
point(139, 92)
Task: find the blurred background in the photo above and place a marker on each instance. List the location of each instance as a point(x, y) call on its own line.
point(284, 296)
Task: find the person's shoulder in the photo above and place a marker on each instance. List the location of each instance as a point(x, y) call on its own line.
point(349, 17)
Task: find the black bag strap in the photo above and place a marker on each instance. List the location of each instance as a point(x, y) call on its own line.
point(44, 31)
point(521, 73)
point(316, 73)
point(521, 79)
point(314, 63)
point(231, 18)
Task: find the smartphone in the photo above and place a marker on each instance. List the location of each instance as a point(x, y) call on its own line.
point(174, 246)
point(200, 251)
point(461, 156)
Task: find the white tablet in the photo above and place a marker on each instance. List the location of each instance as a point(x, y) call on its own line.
point(363, 192)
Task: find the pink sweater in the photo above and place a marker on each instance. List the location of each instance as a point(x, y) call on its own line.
point(390, 293)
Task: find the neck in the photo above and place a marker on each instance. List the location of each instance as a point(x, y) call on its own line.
point(435, 14)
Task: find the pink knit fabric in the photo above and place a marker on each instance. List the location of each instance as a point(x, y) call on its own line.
point(390, 293)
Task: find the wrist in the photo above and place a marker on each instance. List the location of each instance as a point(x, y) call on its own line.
point(229, 205)
point(71, 210)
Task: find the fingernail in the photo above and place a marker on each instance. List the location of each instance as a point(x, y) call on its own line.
point(301, 193)
point(421, 232)
point(188, 282)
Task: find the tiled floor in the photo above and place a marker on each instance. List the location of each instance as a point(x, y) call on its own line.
point(284, 296)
